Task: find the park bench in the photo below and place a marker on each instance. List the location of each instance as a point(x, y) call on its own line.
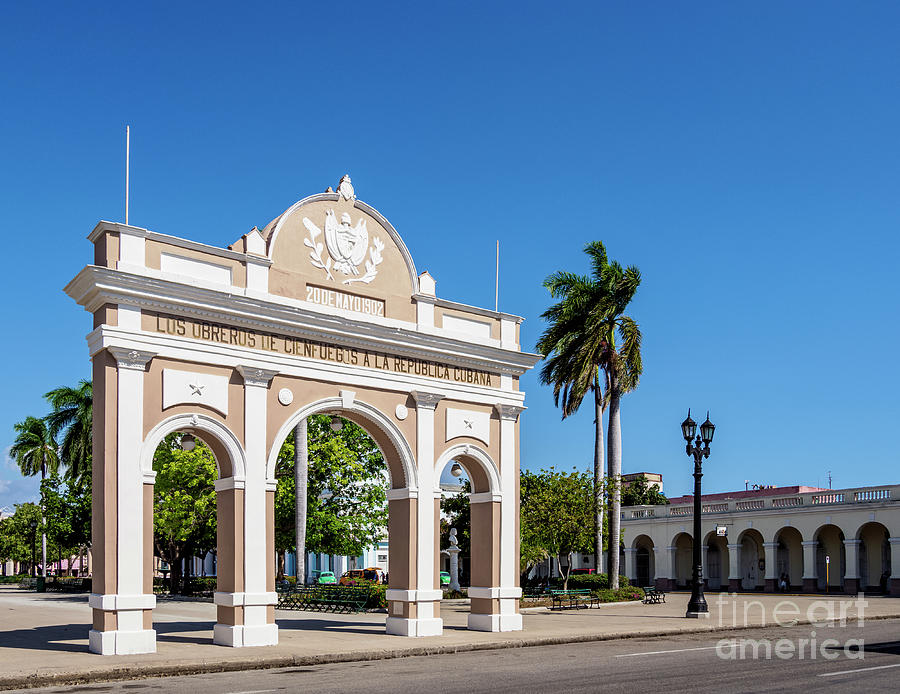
point(653, 596)
point(323, 598)
point(68, 584)
point(582, 597)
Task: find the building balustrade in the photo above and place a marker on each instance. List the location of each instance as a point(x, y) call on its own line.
point(848, 497)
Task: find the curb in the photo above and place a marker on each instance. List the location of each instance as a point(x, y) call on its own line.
point(137, 672)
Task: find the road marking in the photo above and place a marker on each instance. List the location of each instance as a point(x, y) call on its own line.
point(862, 669)
point(677, 650)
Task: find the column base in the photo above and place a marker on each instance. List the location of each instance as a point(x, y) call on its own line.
point(771, 585)
point(402, 626)
point(851, 586)
point(495, 622)
point(894, 586)
point(734, 585)
point(240, 635)
point(122, 642)
point(810, 585)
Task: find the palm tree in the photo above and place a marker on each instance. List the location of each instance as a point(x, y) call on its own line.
point(581, 355)
point(35, 451)
point(72, 413)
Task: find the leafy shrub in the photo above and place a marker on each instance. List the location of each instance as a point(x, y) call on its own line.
point(625, 593)
point(593, 581)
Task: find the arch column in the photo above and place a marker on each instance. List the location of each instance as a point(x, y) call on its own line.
point(123, 602)
point(894, 580)
point(414, 610)
point(851, 566)
point(771, 577)
point(809, 566)
point(247, 617)
point(734, 567)
point(630, 567)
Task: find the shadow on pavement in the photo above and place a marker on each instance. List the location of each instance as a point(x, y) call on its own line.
point(48, 638)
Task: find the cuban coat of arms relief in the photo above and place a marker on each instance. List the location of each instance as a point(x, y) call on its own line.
point(347, 244)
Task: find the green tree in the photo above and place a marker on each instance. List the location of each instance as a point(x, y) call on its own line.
point(639, 493)
point(35, 451)
point(71, 416)
point(557, 510)
point(184, 504)
point(352, 516)
point(590, 345)
point(16, 535)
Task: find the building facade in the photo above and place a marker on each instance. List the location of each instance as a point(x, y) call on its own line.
point(841, 540)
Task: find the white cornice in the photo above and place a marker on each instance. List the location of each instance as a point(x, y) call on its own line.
point(95, 286)
point(466, 308)
point(175, 241)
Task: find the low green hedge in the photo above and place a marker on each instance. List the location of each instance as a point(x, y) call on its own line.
point(593, 581)
point(623, 594)
point(13, 579)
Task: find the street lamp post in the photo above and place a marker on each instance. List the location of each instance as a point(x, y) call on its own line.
point(697, 606)
point(33, 525)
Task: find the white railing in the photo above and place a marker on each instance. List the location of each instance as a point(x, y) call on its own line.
point(787, 501)
point(751, 505)
point(827, 499)
point(872, 495)
point(861, 495)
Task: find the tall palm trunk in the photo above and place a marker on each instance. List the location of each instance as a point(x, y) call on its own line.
point(599, 473)
point(43, 526)
point(301, 471)
point(614, 454)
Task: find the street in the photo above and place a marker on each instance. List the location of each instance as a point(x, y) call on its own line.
point(682, 663)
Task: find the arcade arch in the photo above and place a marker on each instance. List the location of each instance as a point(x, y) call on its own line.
point(644, 572)
point(874, 556)
point(682, 549)
point(830, 557)
point(717, 562)
point(751, 559)
point(789, 556)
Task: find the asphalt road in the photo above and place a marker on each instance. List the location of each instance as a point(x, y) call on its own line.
point(686, 663)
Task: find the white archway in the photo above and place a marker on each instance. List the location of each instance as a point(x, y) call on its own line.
point(372, 414)
point(475, 453)
point(199, 422)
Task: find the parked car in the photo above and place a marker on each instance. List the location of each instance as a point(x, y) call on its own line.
point(445, 578)
point(372, 573)
point(327, 578)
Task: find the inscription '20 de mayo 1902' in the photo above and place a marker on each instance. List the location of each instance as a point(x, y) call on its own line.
point(283, 344)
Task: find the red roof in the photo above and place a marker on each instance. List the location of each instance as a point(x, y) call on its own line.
point(750, 494)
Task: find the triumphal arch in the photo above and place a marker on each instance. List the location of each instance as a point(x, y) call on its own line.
point(322, 311)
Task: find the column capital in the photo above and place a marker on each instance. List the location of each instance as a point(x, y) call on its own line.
point(136, 359)
point(851, 543)
point(735, 546)
point(894, 540)
point(810, 543)
point(770, 545)
point(509, 412)
point(426, 401)
point(630, 550)
point(254, 376)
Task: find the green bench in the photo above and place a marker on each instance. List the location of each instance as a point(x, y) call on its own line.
point(68, 584)
point(345, 599)
point(581, 597)
point(653, 596)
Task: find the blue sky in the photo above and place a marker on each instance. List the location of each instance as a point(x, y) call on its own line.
point(743, 155)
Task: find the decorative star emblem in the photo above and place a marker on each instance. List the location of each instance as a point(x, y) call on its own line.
point(196, 389)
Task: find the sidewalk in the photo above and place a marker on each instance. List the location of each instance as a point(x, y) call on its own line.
point(43, 637)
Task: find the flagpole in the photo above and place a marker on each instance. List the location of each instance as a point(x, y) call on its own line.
point(497, 280)
point(127, 167)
